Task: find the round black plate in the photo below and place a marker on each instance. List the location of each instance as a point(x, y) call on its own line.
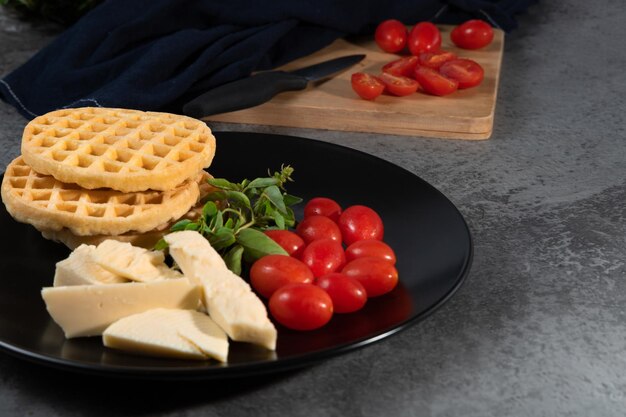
point(429, 235)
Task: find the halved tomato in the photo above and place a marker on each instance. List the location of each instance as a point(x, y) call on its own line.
point(433, 82)
point(399, 85)
point(403, 66)
point(466, 72)
point(435, 59)
point(367, 86)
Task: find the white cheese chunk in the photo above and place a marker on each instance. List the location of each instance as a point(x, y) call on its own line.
point(80, 268)
point(229, 300)
point(185, 334)
point(86, 310)
point(132, 262)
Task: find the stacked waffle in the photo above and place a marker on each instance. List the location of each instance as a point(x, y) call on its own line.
point(89, 173)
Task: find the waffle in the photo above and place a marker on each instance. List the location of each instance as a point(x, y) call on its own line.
point(125, 150)
point(49, 204)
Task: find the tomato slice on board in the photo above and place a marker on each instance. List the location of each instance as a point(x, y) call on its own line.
point(435, 59)
point(367, 86)
point(424, 37)
point(399, 85)
point(403, 66)
point(391, 35)
point(466, 72)
point(472, 34)
point(432, 82)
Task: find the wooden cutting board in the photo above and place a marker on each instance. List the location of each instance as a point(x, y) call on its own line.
point(333, 105)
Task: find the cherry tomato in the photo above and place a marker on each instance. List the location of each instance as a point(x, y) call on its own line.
point(424, 37)
point(323, 257)
point(324, 207)
point(347, 293)
point(466, 72)
point(272, 272)
point(435, 59)
point(434, 83)
point(391, 35)
point(403, 66)
point(318, 227)
point(377, 275)
point(472, 34)
point(370, 248)
point(399, 85)
point(289, 241)
point(301, 306)
point(367, 86)
point(360, 223)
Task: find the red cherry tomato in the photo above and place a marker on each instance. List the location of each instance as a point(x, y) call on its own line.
point(472, 34)
point(272, 272)
point(434, 83)
point(391, 35)
point(318, 227)
point(367, 86)
point(324, 207)
point(347, 293)
point(435, 59)
point(323, 257)
point(287, 240)
point(399, 85)
point(403, 66)
point(301, 306)
point(424, 37)
point(360, 223)
point(377, 275)
point(370, 248)
point(466, 72)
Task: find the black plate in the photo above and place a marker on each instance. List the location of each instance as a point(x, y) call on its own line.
point(429, 235)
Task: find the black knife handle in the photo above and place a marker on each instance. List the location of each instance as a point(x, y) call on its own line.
point(244, 93)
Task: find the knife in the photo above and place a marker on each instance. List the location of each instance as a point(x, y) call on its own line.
point(261, 87)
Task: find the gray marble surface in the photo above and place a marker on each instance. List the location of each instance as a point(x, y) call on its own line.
point(539, 328)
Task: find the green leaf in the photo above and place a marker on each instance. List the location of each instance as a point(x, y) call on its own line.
point(222, 238)
point(279, 219)
point(262, 183)
point(223, 184)
point(274, 195)
point(236, 196)
point(160, 245)
point(180, 225)
point(256, 244)
point(192, 226)
point(209, 210)
point(291, 200)
point(233, 259)
point(229, 223)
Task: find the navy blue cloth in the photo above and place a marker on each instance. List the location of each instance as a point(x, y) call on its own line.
point(158, 54)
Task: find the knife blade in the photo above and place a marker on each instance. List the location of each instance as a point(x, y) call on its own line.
point(261, 87)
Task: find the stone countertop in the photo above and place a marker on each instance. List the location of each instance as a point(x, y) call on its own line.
point(538, 329)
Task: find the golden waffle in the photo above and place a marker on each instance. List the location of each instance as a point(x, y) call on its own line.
point(125, 150)
point(49, 204)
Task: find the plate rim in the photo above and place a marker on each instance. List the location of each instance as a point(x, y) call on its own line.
point(263, 366)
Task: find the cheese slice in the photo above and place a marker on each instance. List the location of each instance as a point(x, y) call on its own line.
point(86, 310)
point(132, 262)
point(80, 268)
point(228, 299)
point(184, 334)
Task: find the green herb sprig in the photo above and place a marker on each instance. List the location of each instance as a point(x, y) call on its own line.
point(234, 217)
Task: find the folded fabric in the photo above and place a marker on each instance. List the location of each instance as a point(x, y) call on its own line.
point(158, 54)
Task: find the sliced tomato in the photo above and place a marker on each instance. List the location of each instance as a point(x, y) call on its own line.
point(435, 59)
point(403, 66)
point(466, 72)
point(399, 85)
point(367, 86)
point(432, 82)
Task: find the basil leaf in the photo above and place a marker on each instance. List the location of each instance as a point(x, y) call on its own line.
point(256, 244)
point(160, 245)
point(233, 259)
point(262, 183)
point(209, 210)
point(279, 219)
point(223, 184)
point(180, 225)
point(222, 238)
point(192, 226)
point(236, 196)
point(274, 195)
point(291, 200)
